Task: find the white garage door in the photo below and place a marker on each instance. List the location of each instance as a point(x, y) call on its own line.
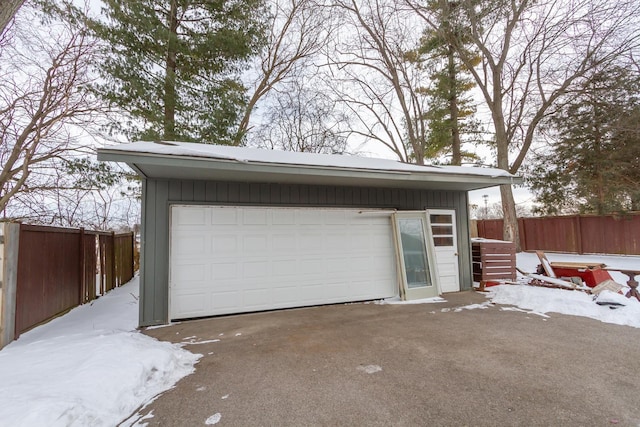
point(242, 259)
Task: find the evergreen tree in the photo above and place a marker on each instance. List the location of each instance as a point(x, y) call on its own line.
point(174, 65)
point(451, 112)
point(593, 165)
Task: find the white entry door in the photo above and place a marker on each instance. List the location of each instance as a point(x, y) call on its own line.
point(445, 242)
point(230, 259)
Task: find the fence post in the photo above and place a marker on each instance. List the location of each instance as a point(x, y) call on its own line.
point(579, 234)
point(84, 297)
point(133, 254)
point(523, 234)
point(9, 245)
point(103, 264)
point(113, 261)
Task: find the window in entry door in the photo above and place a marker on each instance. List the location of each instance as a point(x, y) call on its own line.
point(442, 229)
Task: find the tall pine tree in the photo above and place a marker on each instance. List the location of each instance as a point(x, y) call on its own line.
point(593, 165)
point(174, 65)
point(451, 115)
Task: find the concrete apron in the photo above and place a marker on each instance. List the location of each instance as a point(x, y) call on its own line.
point(404, 365)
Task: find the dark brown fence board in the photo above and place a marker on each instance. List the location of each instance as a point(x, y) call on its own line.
point(608, 234)
point(123, 246)
point(108, 269)
point(490, 229)
point(89, 268)
point(57, 270)
point(48, 275)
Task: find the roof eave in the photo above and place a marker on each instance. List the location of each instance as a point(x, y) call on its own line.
point(157, 166)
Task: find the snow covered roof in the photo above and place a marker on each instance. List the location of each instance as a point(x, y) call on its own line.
point(217, 162)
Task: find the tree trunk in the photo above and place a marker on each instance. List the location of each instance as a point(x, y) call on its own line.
point(169, 131)
point(510, 231)
point(456, 154)
point(8, 9)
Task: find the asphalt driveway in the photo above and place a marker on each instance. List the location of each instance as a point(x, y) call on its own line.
point(403, 365)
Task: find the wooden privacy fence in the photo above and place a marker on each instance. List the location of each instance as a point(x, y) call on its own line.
point(582, 234)
point(47, 271)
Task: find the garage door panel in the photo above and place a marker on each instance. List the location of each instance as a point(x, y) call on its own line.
point(339, 218)
point(360, 242)
point(257, 298)
point(288, 296)
point(283, 243)
point(310, 266)
point(195, 216)
point(189, 244)
point(221, 243)
point(191, 305)
point(225, 301)
point(191, 272)
point(337, 290)
point(282, 268)
point(266, 258)
point(255, 244)
point(311, 243)
point(224, 271)
point(256, 269)
point(222, 286)
point(309, 217)
point(338, 266)
point(254, 216)
point(285, 217)
point(224, 216)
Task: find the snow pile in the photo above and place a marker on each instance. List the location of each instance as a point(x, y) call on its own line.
point(89, 367)
point(397, 300)
point(575, 303)
point(613, 298)
point(472, 307)
point(369, 369)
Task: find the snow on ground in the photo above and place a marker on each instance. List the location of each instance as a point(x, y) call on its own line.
point(544, 300)
point(88, 367)
point(397, 300)
point(91, 366)
point(539, 301)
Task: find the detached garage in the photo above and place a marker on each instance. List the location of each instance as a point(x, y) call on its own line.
point(235, 230)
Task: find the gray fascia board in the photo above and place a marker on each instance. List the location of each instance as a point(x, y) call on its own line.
point(232, 170)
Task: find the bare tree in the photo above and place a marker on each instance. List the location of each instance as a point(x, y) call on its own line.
point(44, 103)
point(303, 118)
point(298, 31)
point(78, 192)
point(377, 81)
point(533, 54)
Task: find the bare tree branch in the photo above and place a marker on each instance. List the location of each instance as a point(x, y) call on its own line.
point(533, 55)
point(378, 85)
point(42, 98)
point(298, 31)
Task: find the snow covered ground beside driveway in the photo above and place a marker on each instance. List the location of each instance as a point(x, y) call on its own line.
point(543, 300)
point(91, 366)
point(88, 367)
